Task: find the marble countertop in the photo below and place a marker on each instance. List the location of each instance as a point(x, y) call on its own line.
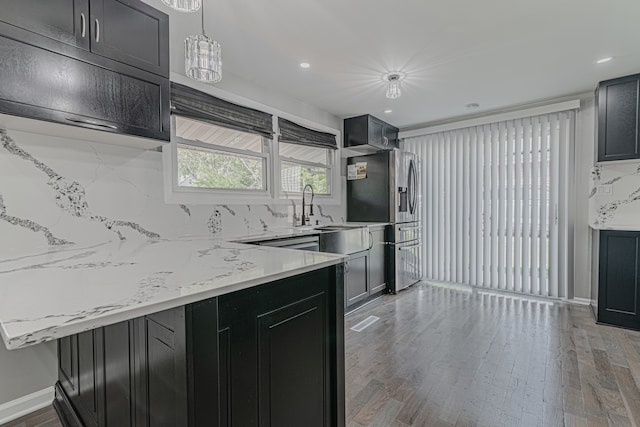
point(616, 227)
point(55, 292)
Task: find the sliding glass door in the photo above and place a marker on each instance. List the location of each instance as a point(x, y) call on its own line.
point(495, 202)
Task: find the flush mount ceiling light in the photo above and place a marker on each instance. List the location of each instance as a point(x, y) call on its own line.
point(203, 57)
point(604, 60)
point(305, 65)
point(184, 5)
point(388, 111)
point(394, 84)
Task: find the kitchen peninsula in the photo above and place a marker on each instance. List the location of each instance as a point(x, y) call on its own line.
point(192, 330)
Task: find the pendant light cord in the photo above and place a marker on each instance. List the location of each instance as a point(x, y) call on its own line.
point(202, 15)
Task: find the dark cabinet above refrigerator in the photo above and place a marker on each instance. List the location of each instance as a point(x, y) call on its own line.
point(368, 133)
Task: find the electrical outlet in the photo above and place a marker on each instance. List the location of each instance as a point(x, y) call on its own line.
point(605, 190)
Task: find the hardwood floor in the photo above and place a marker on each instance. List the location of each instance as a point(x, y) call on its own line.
point(445, 357)
point(440, 356)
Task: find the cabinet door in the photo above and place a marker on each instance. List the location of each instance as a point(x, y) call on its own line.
point(275, 361)
point(41, 84)
point(618, 115)
point(391, 136)
point(377, 270)
point(376, 133)
point(131, 32)
point(619, 283)
point(62, 20)
point(356, 278)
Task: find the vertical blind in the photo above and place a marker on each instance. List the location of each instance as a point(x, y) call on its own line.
point(494, 204)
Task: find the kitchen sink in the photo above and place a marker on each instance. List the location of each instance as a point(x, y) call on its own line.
point(338, 227)
point(343, 239)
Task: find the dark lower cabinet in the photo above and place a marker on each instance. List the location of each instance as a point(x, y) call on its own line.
point(377, 261)
point(271, 355)
point(619, 279)
point(356, 280)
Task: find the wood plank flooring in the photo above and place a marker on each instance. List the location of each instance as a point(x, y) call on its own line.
point(441, 356)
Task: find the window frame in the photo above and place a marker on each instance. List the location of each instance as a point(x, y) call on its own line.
point(178, 194)
point(175, 194)
point(330, 166)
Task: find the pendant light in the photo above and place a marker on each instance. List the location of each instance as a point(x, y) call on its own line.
point(203, 57)
point(184, 5)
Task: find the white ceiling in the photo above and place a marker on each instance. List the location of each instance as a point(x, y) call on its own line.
point(498, 53)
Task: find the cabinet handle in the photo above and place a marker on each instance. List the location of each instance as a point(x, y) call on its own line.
point(385, 141)
point(370, 240)
point(346, 266)
point(91, 122)
point(97, 31)
point(83, 25)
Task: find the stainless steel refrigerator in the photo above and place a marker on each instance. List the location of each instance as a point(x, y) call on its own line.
point(385, 188)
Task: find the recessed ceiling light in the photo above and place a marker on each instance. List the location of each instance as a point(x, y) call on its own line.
point(473, 106)
point(388, 111)
point(603, 60)
point(305, 65)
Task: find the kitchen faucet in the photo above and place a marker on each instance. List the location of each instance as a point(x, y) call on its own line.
point(305, 218)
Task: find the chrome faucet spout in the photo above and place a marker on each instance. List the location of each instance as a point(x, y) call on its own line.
point(305, 217)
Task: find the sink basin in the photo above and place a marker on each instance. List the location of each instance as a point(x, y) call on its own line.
point(343, 239)
point(338, 227)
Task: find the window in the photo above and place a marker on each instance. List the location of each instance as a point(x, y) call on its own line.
point(217, 158)
point(301, 165)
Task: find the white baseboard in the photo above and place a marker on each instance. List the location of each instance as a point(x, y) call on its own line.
point(25, 405)
point(579, 301)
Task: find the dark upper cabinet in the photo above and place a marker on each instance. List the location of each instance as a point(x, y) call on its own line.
point(131, 32)
point(121, 85)
point(618, 117)
point(619, 279)
point(369, 131)
point(41, 84)
point(66, 21)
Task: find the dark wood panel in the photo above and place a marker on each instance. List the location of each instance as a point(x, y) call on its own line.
point(88, 399)
point(292, 378)
point(131, 32)
point(118, 374)
point(166, 376)
point(44, 85)
point(618, 113)
point(619, 280)
point(207, 385)
point(62, 20)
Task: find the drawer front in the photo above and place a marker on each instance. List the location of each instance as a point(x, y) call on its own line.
point(44, 85)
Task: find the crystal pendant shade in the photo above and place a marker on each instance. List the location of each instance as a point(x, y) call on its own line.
point(203, 58)
point(394, 89)
point(184, 5)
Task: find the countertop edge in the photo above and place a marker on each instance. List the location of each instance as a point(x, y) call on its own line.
point(22, 341)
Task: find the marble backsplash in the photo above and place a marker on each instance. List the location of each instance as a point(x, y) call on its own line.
point(55, 191)
point(614, 197)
